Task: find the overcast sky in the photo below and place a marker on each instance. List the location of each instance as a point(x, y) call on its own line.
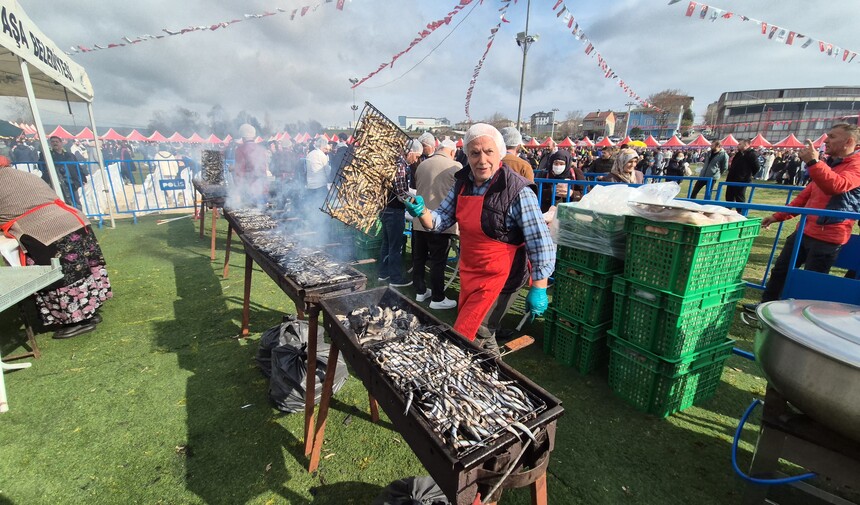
point(299, 70)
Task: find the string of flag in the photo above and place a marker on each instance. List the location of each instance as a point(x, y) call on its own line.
point(423, 34)
point(770, 30)
point(752, 123)
point(166, 32)
point(475, 73)
point(566, 16)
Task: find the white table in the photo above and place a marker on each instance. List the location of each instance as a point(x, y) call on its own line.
point(16, 284)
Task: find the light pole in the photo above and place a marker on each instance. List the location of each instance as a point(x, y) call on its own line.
point(354, 107)
point(552, 119)
point(627, 122)
point(524, 40)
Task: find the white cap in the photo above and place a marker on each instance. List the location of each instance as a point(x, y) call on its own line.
point(512, 137)
point(247, 132)
point(448, 144)
point(413, 146)
point(320, 142)
point(484, 130)
point(427, 139)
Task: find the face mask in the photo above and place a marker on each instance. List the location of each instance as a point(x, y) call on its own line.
point(558, 169)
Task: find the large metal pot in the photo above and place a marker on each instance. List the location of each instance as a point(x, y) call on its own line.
point(809, 351)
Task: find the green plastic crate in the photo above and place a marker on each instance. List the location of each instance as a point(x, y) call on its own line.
point(366, 250)
point(570, 214)
point(670, 325)
point(687, 259)
point(663, 387)
point(586, 297)
point(590, 230)
point(590, 261)
point(548, 334)
point(577, 344)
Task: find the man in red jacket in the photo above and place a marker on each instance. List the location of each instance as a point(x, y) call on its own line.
point(835, 186)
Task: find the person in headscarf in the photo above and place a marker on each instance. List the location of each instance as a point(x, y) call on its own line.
point(47, 228)
point(624, 168)
point(500, 226)
point(561, 166)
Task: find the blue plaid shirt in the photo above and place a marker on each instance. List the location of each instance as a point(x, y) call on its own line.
point(524, 213)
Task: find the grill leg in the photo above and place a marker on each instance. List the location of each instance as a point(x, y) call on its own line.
point(214, 222)
point(328, 385)
point(310, 382)
point(202, 217)
point(374, 408)
point(227, 251)
point(246, 301)
point(538, 489)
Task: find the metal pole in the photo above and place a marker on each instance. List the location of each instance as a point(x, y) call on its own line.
point(49, 159)
point(523, 73)
point(101, 161)
point(627, 123)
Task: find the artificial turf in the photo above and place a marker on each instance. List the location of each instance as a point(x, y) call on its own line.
point(162, 405)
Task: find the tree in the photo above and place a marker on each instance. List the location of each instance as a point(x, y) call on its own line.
point(182, 120)
point(636, 132)
point(672, 101)
point(219, 122)
point(498, 120)
point(687, 121)
point(572, 124)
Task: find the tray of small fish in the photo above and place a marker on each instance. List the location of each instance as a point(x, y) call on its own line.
point(311, 267)
point(210, 191)
point(446, 396)
point(363, 182)
point(248, 219)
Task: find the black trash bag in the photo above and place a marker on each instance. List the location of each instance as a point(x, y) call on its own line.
point(291, 331)
point(289, 370)
point(412, 491)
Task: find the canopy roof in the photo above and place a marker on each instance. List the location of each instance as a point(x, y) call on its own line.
point(212, 139)
point(566, 142)
point(157, 137)
point(177, 137)
point(585, 142)
point(50, 80)
point(651, 141)
point(195, 138)
point(674, 142)
point(760, 141)
point(729, 141)
point(85, 134)
point(530, 144)
point(9, 130)
point(61, 132)
point(789, 142)
point(136, 136)
point(819, 141)
point(700, 141)
point(112, 135)
point(604, 143)
point(546, 142)
point(625, 140)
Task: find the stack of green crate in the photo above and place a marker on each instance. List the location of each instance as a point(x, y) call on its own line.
point(575, 330)
point(673, 309)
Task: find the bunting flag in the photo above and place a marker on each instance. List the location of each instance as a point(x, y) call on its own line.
point(752, 123)
point(423, 34)
point(503, 9)
point(129, 41)
point(564, 14)
point(771, 31)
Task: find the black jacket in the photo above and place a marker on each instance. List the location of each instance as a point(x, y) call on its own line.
point(744, 167)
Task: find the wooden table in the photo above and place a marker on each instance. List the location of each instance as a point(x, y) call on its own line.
point(212, 196)
point(16, 284)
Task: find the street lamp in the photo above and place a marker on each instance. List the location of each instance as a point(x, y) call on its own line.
point(552, 119)
point(524, 40)
point(354, 107)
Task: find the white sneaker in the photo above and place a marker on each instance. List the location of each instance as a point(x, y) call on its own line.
point(422, 297)
point(444, 304)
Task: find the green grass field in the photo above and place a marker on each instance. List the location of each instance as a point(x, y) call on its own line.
point(161, 406)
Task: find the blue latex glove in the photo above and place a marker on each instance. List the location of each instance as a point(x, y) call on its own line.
point(537, 301)
point(414, 206)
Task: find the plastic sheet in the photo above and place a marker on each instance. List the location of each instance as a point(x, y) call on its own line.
point(412, 491)
point(590, 230)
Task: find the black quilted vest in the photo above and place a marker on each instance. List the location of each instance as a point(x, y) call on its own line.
point(504, 188)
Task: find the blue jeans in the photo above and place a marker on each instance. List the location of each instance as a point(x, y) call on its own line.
point(390, 253)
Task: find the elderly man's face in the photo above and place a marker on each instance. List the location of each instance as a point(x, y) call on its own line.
point(56, 145)
point(484, 158)
point(839, 143)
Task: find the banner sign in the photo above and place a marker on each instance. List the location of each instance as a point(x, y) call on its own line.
point(172, 184)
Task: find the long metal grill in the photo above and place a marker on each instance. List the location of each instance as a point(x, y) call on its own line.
point(363, 182)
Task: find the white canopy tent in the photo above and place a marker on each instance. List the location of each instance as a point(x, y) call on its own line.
point(30, 58)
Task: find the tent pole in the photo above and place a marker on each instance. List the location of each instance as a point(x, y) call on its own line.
point(100, 160)
point(40, 129)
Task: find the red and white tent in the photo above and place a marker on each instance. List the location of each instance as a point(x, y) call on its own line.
point(459, 143)
point(626, 140)
point(546, 142)
point(651, 141)
point(700, 141)
point(760, 141)
point(228, 139)
point(111, 135)
point(176, 137)
point(531, 144)
point(674, 142)
point(566, 142)
point(585, 142)
point(61, 132)
point(212, 139)
point(604, 143)
point(136, 136)
point(789, 142)
point(197, 139)
point(729, 141)
point(819, 141)
point(157, 137)
point(85, 134)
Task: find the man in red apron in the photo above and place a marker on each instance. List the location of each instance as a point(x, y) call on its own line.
point(500, 226)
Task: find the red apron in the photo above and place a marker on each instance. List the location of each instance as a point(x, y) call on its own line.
point(485, 265)
point(59, 203)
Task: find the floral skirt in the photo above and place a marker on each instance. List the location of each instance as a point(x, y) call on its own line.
point(85, 285)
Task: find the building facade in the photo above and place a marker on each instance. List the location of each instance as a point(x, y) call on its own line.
point(599, 124)
point(776, 113)
point(542, 124)
point(414, 123)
